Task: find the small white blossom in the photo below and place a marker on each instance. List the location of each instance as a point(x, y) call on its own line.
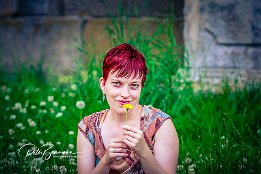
point(63, 108)
point(11, 131)
point(41, 141)
point(33, 107)
point(73, 87)
point(70, 132)
point(80, 104)
point(50, 98)
point(12, 117)
point(71, 146)
point(19, 125)
point(7, 97)
point(17, 106)
point(32, 124)
point(38, 132)
point(23, 110)
point(55, 103)
point(42, 103)
point(58, 143)
point(59, 114)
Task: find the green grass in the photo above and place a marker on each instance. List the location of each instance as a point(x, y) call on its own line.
point(218, 132)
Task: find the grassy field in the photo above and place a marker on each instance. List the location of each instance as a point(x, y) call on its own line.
point(218, 132)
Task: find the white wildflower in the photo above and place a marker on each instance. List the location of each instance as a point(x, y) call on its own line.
point(12, 117)
point(59, 114)
point(17, 106)
point(70, 132)
point(55, 103)
point(38, 132)
point(73, 87)
point(32, 124)
point(41, 141)
point(63, 95)
point(58, 143)
point(63, 108)
point(50, 98)
point(7, 97)
point(80, 104)
point(42, 103)
point(71, 146)
point(19, 125)
point(23, 110)
point(11, 131)
point(33, 107)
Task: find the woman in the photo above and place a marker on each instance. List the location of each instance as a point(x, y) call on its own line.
point(148, 143)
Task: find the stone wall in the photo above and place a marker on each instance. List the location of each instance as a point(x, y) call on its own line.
point(223, 38)
point(50, 31)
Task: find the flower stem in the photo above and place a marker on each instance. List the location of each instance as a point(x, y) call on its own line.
point(126, 116)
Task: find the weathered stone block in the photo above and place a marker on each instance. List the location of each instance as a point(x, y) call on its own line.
point(8, 8)
point(40, 7)
point(232, 22)
point(27, 41)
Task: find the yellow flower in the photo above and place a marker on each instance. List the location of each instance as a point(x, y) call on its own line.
point(128, 106)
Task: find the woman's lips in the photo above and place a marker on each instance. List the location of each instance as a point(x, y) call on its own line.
point(123, 102)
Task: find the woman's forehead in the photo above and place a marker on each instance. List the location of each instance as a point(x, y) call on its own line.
point(114, 75)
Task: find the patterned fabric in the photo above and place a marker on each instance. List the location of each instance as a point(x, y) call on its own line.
point(151, 120)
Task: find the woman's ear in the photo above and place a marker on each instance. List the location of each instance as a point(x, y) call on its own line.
point(102, 85)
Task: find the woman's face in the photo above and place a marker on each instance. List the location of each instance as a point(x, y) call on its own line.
point(121, 90)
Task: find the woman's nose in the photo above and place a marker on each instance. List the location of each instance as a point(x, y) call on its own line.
point(125, 92)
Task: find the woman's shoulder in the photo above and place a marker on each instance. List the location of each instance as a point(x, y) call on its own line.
point(92, 119)
point(151, 111)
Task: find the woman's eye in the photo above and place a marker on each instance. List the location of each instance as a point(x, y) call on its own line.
point(135, 86)
point(116, 84)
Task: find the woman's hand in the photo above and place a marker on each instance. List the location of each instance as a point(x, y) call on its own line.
point(116, 151)
point(134, 138)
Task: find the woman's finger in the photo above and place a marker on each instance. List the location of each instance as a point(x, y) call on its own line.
point(131, 134)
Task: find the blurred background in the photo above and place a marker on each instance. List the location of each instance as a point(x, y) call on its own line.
point(204, 61)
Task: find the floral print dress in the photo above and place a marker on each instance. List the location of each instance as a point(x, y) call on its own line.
point(150, 122)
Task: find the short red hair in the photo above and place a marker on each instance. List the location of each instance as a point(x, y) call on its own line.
point(126, 61)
